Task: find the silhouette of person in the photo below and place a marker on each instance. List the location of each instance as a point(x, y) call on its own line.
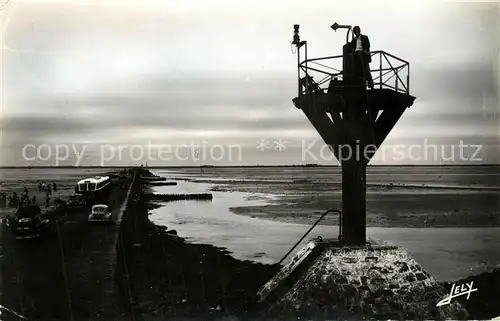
point(360, 44)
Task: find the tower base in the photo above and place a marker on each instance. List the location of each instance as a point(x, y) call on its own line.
point(380, 281)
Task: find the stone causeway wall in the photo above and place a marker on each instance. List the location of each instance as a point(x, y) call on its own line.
point(381, 282)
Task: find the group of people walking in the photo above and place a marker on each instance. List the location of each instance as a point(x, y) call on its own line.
point(16, 200)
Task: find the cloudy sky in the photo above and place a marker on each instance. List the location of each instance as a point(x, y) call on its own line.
point(98, 74)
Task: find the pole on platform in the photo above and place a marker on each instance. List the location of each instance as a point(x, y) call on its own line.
point(352, 156)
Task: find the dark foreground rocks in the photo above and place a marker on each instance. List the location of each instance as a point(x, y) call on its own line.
point(160, 275)
point(381, 282)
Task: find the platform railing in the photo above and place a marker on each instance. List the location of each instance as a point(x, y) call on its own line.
point(392, 72)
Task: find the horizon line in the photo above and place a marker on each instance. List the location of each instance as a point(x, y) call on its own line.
point(241, 166)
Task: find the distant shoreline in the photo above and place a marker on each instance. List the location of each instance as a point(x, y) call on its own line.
point(236, 166)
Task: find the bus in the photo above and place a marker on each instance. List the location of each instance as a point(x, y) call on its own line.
point(95, 188)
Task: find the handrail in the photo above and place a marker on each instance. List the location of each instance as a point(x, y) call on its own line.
point(337, 70)
point(372, 53)
point(311, 228)
point(319, 70)
point(392, 56)
point(396, 72)
point(390, 72)
point(321, 58)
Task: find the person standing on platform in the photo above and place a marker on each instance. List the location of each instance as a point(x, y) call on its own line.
point(361, 46)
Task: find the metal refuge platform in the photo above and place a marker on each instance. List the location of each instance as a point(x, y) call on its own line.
point(350, 117)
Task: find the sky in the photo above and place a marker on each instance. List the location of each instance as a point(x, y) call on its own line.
point(102, 82)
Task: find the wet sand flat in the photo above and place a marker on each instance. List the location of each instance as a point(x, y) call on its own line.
point(414, 196)
point(449, 251)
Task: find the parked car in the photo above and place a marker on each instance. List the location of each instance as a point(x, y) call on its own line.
point(100, 213)
point(28, 222)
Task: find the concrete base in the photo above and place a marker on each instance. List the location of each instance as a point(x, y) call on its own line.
point(381, 281)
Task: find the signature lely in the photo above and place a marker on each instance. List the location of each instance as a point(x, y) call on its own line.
point(457, 291)
point(2, 308)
